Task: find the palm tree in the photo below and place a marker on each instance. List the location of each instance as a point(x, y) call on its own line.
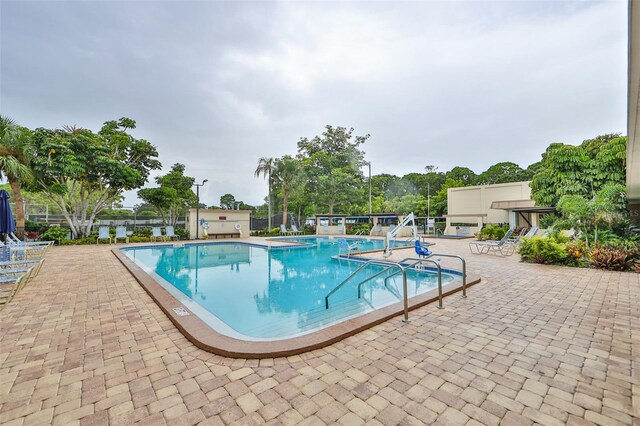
point(287, 172)
point(14, 162)
point(265, 168)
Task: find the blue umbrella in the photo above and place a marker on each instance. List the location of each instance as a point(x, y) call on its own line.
point(7, 225)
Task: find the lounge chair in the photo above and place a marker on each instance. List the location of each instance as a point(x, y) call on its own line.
point(344, 245)
point(532, 232)
point(18, 241)
point(156, 234)
point(121, 234)
point(283, 230)
point(169, 233)
point(10, 285)
point(421, 251)
point(295, 230)
point(504, 247)
point(24, 251)
point(376, 230)
point(103, 234)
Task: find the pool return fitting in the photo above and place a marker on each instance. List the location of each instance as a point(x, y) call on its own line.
point(402, 267)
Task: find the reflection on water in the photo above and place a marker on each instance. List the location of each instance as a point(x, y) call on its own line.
point(278, 292)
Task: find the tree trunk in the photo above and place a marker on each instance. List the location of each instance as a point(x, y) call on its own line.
point(285, 206)
point(17, 198)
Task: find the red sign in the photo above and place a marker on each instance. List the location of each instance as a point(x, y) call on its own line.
point(222, 218)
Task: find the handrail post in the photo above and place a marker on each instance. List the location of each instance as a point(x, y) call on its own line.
point(440, 306)
point(464, 277)
point(406, 295)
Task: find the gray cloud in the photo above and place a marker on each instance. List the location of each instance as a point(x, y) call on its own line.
point(216, 85)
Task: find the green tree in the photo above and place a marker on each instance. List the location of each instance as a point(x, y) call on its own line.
point(287, 175)
point(439, 202)
point(173, 195)
point(332, 163)
point(265, 168)
point(579, 170)
point(503, 173)
point(228, 201)
point(83, 172)
point(463, 174)
point(14, 162)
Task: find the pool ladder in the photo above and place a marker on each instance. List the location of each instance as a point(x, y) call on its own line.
point(402, 267)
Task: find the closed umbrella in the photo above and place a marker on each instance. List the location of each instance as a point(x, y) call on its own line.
point(7, 224)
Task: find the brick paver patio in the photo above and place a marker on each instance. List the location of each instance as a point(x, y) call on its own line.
point(83, 343)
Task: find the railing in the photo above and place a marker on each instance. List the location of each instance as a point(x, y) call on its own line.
point(403, 269)
point(380, 263)
point(464, 267)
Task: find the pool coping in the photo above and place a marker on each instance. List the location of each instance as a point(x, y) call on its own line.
point(204, 337)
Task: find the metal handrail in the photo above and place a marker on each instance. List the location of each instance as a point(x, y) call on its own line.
point(377, 274)
point(381, 263)
point(464, 267)
point(418, 260)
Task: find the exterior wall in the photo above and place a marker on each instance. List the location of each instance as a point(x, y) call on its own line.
point(633, 110)
point(218, 225)
point(470, 200)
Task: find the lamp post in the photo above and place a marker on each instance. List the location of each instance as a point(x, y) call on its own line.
point(198, 185)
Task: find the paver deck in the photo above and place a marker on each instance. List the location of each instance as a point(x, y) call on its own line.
point(83, 343)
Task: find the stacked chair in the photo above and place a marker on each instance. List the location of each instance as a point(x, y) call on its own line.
point(20, 262)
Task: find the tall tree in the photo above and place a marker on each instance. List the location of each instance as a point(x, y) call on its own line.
point(503, 173)
point(579, 170)
point(82, 172)
point(14, 160)
point(173, 196)
point(463, 174)
point(287, 174)
point(228, 201)
point(332, 163)
point(265, 168)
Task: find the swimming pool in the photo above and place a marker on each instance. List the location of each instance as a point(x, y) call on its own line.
point(256, 293)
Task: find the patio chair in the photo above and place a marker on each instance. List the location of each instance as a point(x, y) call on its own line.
point(421, 250)
point(10, 285)
point(376, 230)
point(295, 230)
point(23, 251)
point(504, 247)
point(121, 234)
point(344, 245)
point(532, 232)
point(156, 234)
point(170, 233)
point(18, 241)
point(103, 234)
point(283, 230)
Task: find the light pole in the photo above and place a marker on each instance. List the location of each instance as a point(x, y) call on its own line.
point(198, 185)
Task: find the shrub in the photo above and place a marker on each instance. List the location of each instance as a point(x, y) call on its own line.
point(55, 233)
point(620, 257)
point(492, 232)
point(142, 232)
point(359, 228)
point(576, 253)
point(542, 250)
point(182, 233)
point(32, 226)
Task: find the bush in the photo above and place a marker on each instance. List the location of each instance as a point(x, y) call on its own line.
point(31, 226)
point(619, 257)
point(360, 229)
point(576, 253)
point(55, 233)
point(492, 232)
point(182, 233)
point(142, 232)
point(542, 250)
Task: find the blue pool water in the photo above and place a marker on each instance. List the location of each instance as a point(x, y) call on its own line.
point(251, 291)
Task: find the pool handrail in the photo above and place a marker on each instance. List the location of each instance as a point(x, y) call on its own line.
point(455, 256)
point(380, 263)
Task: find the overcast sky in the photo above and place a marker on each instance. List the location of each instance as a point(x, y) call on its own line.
point(216, 85)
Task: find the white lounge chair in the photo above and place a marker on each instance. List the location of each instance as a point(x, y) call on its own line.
point(156, 234)
point(295, 230)
point(504, 247)
point(121, 234)
point(283, 230)
point(170, 233)
point(103, 234)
